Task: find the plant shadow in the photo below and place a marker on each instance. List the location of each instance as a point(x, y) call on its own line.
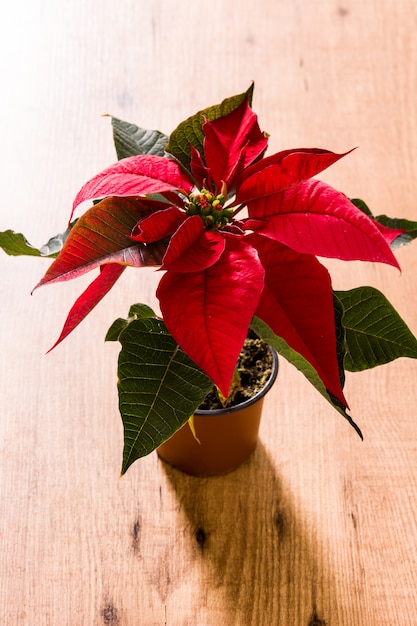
point(252, 546)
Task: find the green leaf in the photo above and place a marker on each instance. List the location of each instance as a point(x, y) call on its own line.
point(361, 204)
point(116, 328)
point(131, 140)
point(293, 357)
point(159, 387)
point(136, 311)
point(340, 337)
point(15, 244)
point(190, 131)
point(141, 311)
point(374, 332)
point(408, 226)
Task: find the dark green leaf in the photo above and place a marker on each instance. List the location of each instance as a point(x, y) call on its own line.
point(131, 140)
point(340, 338)
point(159, 387)
point(374, 332)
point(191, 132)
point(15, 244)
point(361, 204)
point(293, 357)
point(409, 227)
point(136, 311)
point(116, 328)
point(141, 311)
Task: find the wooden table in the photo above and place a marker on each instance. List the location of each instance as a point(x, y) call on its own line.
point(317, 528)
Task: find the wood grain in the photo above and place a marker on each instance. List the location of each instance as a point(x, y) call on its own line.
point(317, 529)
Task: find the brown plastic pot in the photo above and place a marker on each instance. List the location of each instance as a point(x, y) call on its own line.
point(227, 436)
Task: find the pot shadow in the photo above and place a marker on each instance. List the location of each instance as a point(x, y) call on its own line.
point(257, 561)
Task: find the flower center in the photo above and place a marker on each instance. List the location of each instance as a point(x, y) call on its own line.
point(210, 208)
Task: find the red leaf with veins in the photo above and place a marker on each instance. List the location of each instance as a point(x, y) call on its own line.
point(227, 138)
point(297, 304)
point(208, 313)
point(193, 248)
point(90, 298)
point(316, 219)
point(135, 176)
point(101, 236)
point(158, 225)
point(273, 174)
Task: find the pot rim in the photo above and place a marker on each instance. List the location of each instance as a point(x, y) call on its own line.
point(250, 401)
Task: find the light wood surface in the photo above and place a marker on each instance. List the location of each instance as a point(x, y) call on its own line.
point(317, 529)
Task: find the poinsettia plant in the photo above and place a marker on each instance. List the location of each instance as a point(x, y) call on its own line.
point(236, 235)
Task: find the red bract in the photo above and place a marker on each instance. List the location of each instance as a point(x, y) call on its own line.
point(221, 269)
point(210, 310)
